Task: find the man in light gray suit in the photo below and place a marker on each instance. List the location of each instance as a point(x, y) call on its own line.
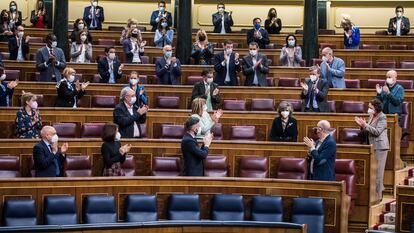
point(255, 67)
point(50, 60)
point(332, 69)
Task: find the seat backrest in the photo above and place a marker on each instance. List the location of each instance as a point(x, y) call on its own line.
point(166, 166)
point(172, 131)
point(267, 209)
point(106, 42)
point(373, 82)
point(407, 64)
point(345, 170)
point(77, 166)
point(292, 168)
point(332, 105)
point(254, 167)
point(36, 40)
point(288, 82)
point(5, 55)
point(144, 59)
point(405, 115)
point(235, 105)
point(398, 47)
point(19, 212)
point(92, 130)
point(170, 102)
point(352, 83)
point(361, 64)
point(141, 208)
point(96, 77)
point(263, 105)
point(216, 166)
point(129, 165)
point(270, 81)
point(193, 79)
point(407, 84)
point(386, 64)
point(316, 61)
point(103, 101)
point(227, 208)
point(244, 132)
point(217, 131)
point(370, 46)
point(9, 166)
point(323, 31)
point(60, 210)
point(350, 136)
point(66, 130)
point(324, 45)
point(12, 74)
point(184, 207)
point(99, 209)
point(296, 104)
point(309, 211)
point(352, 107)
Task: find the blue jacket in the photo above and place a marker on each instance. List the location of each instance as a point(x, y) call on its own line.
point(335, 76)
point(154, 16)
point(353, 41)
point(324, 160)
point(168, 74)
point(392, 103)
point(99, 18)
point(193, 156)
point(44, 161)
point(141, 99)
point(5, 93)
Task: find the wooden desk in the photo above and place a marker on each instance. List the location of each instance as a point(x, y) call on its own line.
point(405, 208)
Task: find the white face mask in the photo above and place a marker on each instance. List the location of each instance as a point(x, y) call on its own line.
point(221, 10)
point(81, 26)
point(205, 108)
point(133, 100)
point(71, 78)
point(209, 80)
point(199, 131)
point(54, 44)
point(83, 38)
point(399, 14)
point(20, 34)
point(229, 51)
point(324, 59)
point(34, 105)
point(285, 114)
point(54, 139)
point(117, 136)
point(253, 53)
point(370, 111)
point(291, 43)
point(133, 81)
point(390, 81)
point(111, 56)
point(2, 77)
point(95, 4)
point(313, 78)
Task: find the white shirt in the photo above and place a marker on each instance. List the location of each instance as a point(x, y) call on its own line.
point(81, 58)
point(255, 79)
point(398, 27)
point(20, 51)
point(136, 130)
point(135, 51)
point(227, 79)
point(223, 29)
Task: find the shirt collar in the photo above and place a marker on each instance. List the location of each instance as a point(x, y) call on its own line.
point(46, 142)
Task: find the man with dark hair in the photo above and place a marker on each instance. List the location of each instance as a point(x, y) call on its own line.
point(314, 93)
point(19, 45)
point(222, 20)
point(50, 60)
point(109, 67)
point(227, 65)
point(94, 16)
point(255, 67)
point(157, 15)
point(193, 154)
point(207, 90)
point(258, 34)
point(399, 25)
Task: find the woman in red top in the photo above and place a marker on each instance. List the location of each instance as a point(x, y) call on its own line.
point(39, 16)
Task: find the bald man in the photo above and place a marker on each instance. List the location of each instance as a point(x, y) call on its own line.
point(48, 161)
point(332, 69)
point(322, 153)
point(391, 94)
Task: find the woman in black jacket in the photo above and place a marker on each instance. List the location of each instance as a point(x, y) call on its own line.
point(284, 127)
point(69, 91)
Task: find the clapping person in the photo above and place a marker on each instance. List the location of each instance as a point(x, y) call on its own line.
point(28, 120)
point(291, 54)
point(109, 67)
point(351, 33)
point(391, 94)
point(399, 25)
point(6, 29)
point(222, 20)
point(164, 35)
point(79, 27)
point(168, 68)
point(314, 92)
point(19, 45)
point(202, 50)
point(258, 34)
point(39, 16)
point(94, 16)
point(284, 127)
point(157, 15)
point(199, 110)
point(227, 65)
point(50, 60)
point(255, 67)
point(6, 90)
point(273, 24)
point(332, 69)
point(207, 90)
point(81, 49)
point(141, 95)
point(133, 47)
point(15, 16)
point(69, 89)
point(131, 24)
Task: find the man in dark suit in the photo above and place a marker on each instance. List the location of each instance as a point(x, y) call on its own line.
point(322, 153)
point(127, 116)
point(258, 34)
point(157, 15)
point(399, 25)
point(109, 67)
point(50, 60)
point(18, 45)
point(168, 68)
point(48, 161)
point(314, 92)
point(255, 67)
point(6, 89)
point(208, 90)
point(222, 20)
point(94, 16)
point(226, 65)
point(193, 154)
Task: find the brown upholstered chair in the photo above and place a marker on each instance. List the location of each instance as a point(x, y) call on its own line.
point(9, 166)
point(371, 83)
point(352, 107)
point(129, 165)
point(5, 55)
point(216, 166)
point(407, 64)
point(244, 132)
point(145, 60)
point(407, 84)
point(361, 64)
point(92, 130)
point(217, 131)
point(292, 168)
point(193, 79)
point(332, 105)
point(371, 46)
point(66, 130)
point(12, 74)
point(345, 170)
point(398, 47)
point(36, 40)
point(170, 102)
point(106, 42)
point(166, 166)
point(386, 64)
point(350, 136)
point(405, 124)
point(172, 131)
point(263, 105)
point(235, 105)
point(352, 83)
point(270, 81)
point(316, 61)
point(288, 82)
point(77, 166)
point(254, 167)
point(103, 101)
point(296, 104)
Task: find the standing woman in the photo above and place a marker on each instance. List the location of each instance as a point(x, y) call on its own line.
point(291, 54)
point(6, 31)
point(202, 50)
point(28, 121)
point(81, 49)
point(376, 129)
point(15, 15)
point(284, 127)
point(69, 91)
point(39, 16)
point(78, 27)
point(352, 35)
point(273, 24)
point(199, 110)
point(164, 34)
point(133, 47)
point(112, 152)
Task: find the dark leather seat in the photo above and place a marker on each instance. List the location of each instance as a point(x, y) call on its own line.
point(60, 210)
point(184, 207)
point(371, 46)
point(350, 136)
point(216, 166)
point(193, 79)
point(386, 64)
point(407, 84)
point(12, 75)
point(345, 170)
point(129, 165)
point(332, 105)
point(96, 77)
point(227, 207)
point(398, 47)
point(373, 82)
point(352, 83)
point(254, 167)
point(144, 60)
point(66, 130)
point(92, 130)
point(270, 81)
point(323, 31)
point(143, 130)
point(263, 105)
point(172, 131)
point(381, 32)
point(267, 209)
point(36, 40)
point(103, 101)
point(352, 107)
point(141, 208)
point(235, 105)
point(292, 168)
point(405, 121)
point(170, 102)
point(288, 82)
point(309, 211)
point(311, 134)
point(217, 131)
point(244, 132)
point(166, 166)
point(361, 64)
point(19, 212)
point(106, 42)
point(296, 104)
point(5, 55)
point(77, 166)
point(99, 209)
point(316, 61)
point(407, 64)
point(9, 166)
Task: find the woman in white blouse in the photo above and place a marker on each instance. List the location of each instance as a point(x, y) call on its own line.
point(199, 110)
point(81, 49)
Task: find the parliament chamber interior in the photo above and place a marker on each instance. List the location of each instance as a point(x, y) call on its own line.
point(206, 116)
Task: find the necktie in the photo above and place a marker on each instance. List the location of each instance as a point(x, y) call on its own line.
point(55, 161)
point(311, 95)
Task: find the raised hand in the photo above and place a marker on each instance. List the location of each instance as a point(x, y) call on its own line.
point(64, 147)
point(142, 110)
point(216, 92)
point(12, 84)
point(236, 56)
point(304, 86)
point(27, 39)
point(84, 85)
point(173, 60)
point(378, 88)
point(207, 139)
point(386, 90)
point(309, 143)
point(78, 85)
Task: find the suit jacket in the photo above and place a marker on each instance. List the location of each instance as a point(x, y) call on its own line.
point(103, 70)
point(321, 97)
point(393, 102)
point(48, 70)
point(99, 19)
point(290, 134)
point(262, 42)
point(193, 156)
point(110, 153)
point(34, 18)
point(405, 26)
point(67, 95)
point(14, 48)
point(221, 71)
point(199, 91)
point(44, 161)
point(19, 20)
point(377, 132)
point(248, 70)
point(335, 76)
point(272, 29)
point(5, 93)
point(154, 17)
point(324, 160)
point(75, 53)
point(125, 120)
point(168, 74)
point(217, 22)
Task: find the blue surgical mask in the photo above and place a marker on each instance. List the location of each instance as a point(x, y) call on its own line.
point(168, 54)
point(164, 24)
point(162, 9)
point(257, 26)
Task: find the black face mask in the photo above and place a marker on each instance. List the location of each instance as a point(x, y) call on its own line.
point(202, 38)
point(5, 18)
point(135, 35)
point(272, 15)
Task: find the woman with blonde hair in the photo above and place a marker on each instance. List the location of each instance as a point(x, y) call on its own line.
point(131, 24)
point(351, 33)
point(69, 89)
point(28, 121)
point(199, 110)
point(202, 50)
point(133, 47)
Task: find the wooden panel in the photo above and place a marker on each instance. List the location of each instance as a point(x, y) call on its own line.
point(405, 208)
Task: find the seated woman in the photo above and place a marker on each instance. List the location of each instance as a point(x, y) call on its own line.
point(351, 33)
point(112, 152)
point(28, 120)
point(202, 51)
point(164, 34)
point(79, 26)
point(273, 24)
point(68, 91)
point(199, 110)
point(291, 54)
point(284, 127)
point(142, 98)
point(39, 16)
point(133, 47)
point(81, 48)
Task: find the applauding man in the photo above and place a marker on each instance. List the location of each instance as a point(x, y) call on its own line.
point(168, 68)
point(314, 92)
point(391, 94)
point(255, 67)
point(222, 20)
point(258, 34)
point(227, 65)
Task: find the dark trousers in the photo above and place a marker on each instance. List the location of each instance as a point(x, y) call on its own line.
point(311, 109)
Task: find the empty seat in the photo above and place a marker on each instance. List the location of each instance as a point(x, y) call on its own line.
point(5, 55)
point(144, 60)
point(292, 168)
point(170, 102)
point(92, 130)
point(235, 105)
point(267, 209)
point(332, 105)
point(216, 166)
point(66, 130)
point(309, 211)
point(352, 83)
point(254, 167)
point(296, 104)
point(373, 82)
point(270, 81)
point(381, 32)
point(270, 46)
point(60, 210)
point(345, 170)
point(352, 107)
point(405, 124)
point(361, 64)
point(386, 64)
point(96, 77)
point(227, 208)
point(141, 208)
point(350, 136)
point(184, 207)
point(323, 31)
point(129, 165)
point(217, 131)
point(370, 46)
point(191, 80)
point(116, 28)
point(166, 166)
point(288, 82)
point(99, 209)
point(12, 75)
point(407, 84)
point(398, 46)
point(77, 166)
point(263, 105)
point(36, 40)
point(9, 166)
point(103, 101)
point(106, 42)
point(244, 132)
point(172, 131)
point(19, 212)
point(407, 65)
